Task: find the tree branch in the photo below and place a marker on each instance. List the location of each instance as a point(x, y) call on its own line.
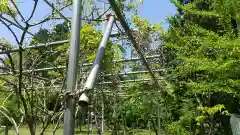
point(9, 28)
point(12, 15)
point(55, 109)
point(49, 17)
point(11, 62)
point(58, 11)
point(14, 4)
point(29, 119)
point(9, 21)
point(42, 21)
point(33, 11)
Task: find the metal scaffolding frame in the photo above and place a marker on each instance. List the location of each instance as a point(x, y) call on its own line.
point(73, 61)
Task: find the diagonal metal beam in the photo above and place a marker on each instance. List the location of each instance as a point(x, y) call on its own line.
point(128, 31)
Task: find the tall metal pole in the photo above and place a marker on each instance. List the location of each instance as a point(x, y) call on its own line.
point(69, 123)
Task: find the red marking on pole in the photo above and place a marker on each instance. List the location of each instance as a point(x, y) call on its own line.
point(108, 17)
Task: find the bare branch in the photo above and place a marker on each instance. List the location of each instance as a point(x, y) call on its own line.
point(14, 4)
point(33, 11)
point(49, 17)
point(9, 21)
point(2, 61)
point(8, 81)
point(13, 16)
point(29, 118)
point(57, 125)
point(52, 6)
point(9, 28)
point(11, 62)
point(10, 59)
point(100, 16)
point(42, 21)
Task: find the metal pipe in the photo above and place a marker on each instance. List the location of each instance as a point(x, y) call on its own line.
point(136, 59)
point(106, 75)
point(57, 43)
point(89, 64)
point(42, 45)
point(127, 81)
point(85, 64)
point(134, 72)
point(69, 119)
point(96, 65)
point(123, 73)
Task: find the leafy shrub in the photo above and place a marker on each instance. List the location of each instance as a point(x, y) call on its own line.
point(176, 129)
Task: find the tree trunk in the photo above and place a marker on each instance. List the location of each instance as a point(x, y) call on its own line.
point(31, 125)
point(154, 127)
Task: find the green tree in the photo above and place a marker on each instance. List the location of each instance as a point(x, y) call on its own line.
point(204, 68)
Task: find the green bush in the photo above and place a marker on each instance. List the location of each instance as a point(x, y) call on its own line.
point(12, 110)
point(176, 129)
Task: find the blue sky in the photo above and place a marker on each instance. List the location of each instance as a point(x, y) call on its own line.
point(153, 10)
point(157, 10)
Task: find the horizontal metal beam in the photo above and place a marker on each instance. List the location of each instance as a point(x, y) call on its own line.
point(107, 75)
point(57, 43)
point(90, 64)
point(136, 59)
point(51, 44)
point(134, 72)
point(85, 64)
point(128, 81)
point(125, 81)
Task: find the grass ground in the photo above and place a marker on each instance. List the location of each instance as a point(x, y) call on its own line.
point(25, 131)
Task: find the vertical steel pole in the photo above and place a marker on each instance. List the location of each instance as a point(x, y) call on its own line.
point(69, 123)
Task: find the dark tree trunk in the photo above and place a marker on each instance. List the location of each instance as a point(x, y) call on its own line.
point(154, 126)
